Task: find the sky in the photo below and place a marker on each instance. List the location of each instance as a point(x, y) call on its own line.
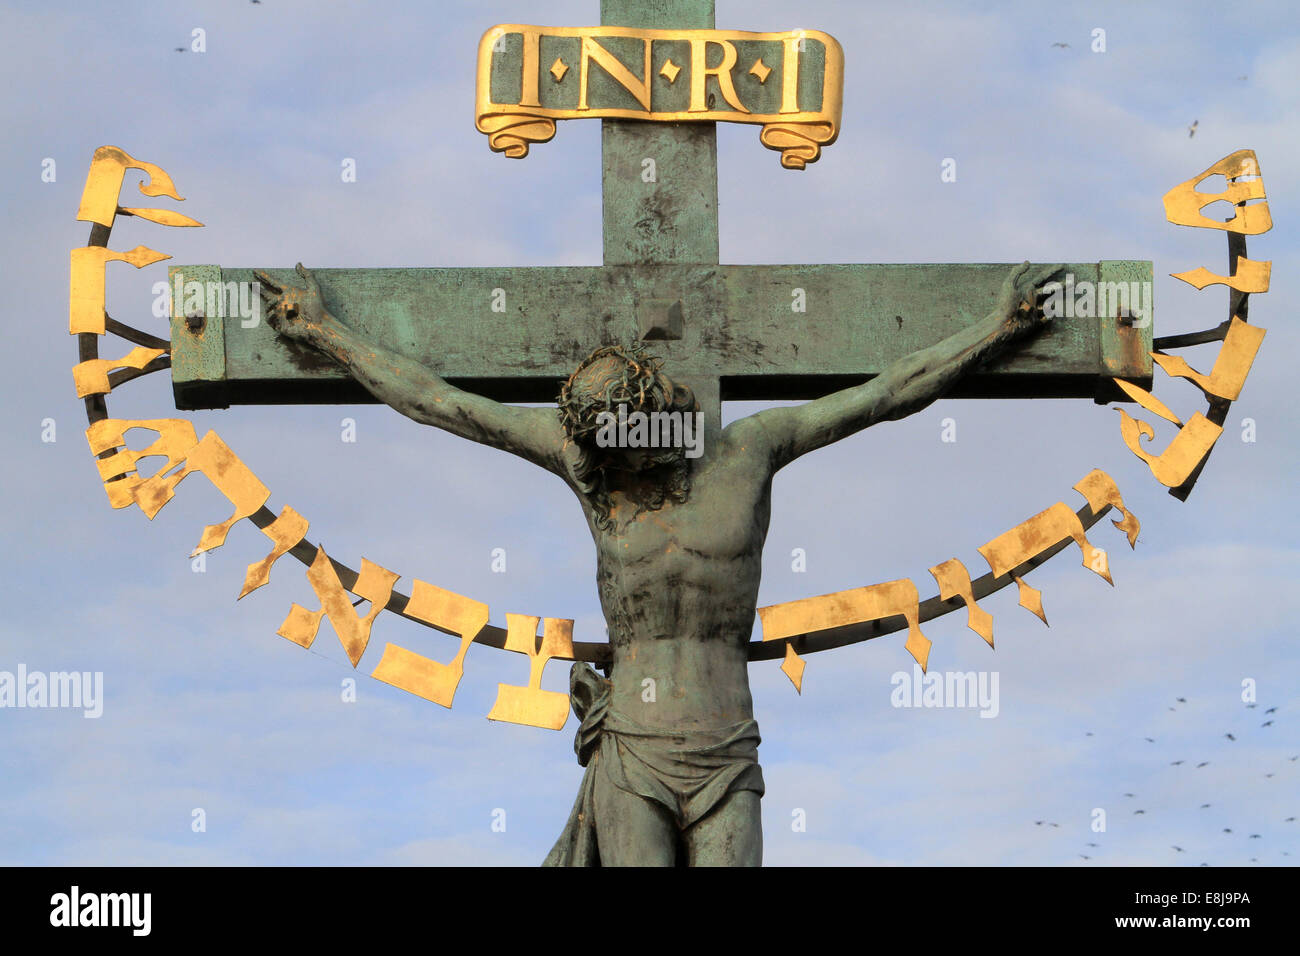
point(1062, 154)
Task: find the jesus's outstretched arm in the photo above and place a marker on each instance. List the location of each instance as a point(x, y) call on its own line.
point(412, 388)
point(906, 386)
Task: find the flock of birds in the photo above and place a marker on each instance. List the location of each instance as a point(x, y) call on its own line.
point(1091, 849)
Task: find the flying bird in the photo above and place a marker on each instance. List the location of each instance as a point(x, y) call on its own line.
point(1182, 700)
point(180, 49)
point(1136, 812)
point(1191, 130)
point(1149, 740)
point(1230, 737)
point(1271, 710)
point(1178, 848)
point(1088, 734)
point(1227, 829)
point(1085, 857)
point(1176, 763)
point(1254, 836)
point(1098, 844)
point(1203, 763)
point(1058, 43)
point(1289, 820)
point(1129, 794)
point(1251, 706)
point(1267, 723)
point(1204, 806)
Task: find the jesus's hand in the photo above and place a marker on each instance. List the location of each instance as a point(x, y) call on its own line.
point(297, 313)
point(1020, 301)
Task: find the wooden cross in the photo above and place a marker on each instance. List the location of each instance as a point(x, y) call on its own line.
point(728, 331)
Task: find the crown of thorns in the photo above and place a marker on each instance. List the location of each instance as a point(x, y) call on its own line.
point(636, 381)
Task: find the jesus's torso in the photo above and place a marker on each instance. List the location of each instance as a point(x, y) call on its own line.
point(679, 587)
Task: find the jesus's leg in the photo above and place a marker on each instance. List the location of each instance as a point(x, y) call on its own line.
point(631, 830)
point(729, 835)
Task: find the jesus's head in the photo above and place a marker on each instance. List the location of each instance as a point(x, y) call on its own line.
point(611, 380)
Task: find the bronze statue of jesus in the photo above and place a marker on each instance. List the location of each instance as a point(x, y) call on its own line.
point(668, 737)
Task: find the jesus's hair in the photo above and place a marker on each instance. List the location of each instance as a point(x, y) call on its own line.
point(607, 378)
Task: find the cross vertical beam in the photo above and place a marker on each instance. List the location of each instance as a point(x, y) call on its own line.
point(672, 220)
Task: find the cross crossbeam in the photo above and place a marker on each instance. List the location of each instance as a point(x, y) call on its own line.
point(728, 331)
point(747, 332)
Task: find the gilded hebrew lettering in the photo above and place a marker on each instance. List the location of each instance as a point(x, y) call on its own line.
point(421, 675)
point(1188, 449)
point(1099, 489)
point(870, 603)
point(954, 582)
point(86, 283)
point(1035, 535)
point(531, 705)
point(793, 667)
point(1031, 599)
point(285, 531)
point(1251, 276)
point(1148, 401)
point(91, 376)
point(374, 583)
point(99, 198)
point(1183, 203)
point(1231, 365)
point(119, 471)
point(213, 458)
point(1032, 537)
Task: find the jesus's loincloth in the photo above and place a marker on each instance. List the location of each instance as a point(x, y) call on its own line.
point(688, 773)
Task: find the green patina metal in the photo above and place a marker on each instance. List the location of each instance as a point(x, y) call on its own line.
point(729, 327)
point(199, 339)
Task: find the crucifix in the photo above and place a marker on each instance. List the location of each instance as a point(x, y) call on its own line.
point(661, 328)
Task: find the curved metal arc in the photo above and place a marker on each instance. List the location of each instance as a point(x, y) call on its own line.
point(1239, 306)
point(592, 652)
point(930, 608)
